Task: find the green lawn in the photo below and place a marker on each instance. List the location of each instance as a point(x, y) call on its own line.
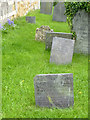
point(23, 58)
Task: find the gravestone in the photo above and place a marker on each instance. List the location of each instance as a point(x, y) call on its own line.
point(62, 50)
point(31, 19)
point(46, 7)
point(54, 90)
point(80, 27)
point(3, 11)
point(50, 35)
point(59, 11)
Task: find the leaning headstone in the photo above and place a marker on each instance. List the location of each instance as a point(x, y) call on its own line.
point(54, 90)
point(31, 19)
point(41, 32)
point(62, 50)
point(59, 11)
point(50, 35)
point(46, 7)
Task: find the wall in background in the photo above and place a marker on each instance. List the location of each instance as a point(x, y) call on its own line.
point(15, 8)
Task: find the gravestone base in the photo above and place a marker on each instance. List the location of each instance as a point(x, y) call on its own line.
point(31, 19)
point(62, 50)
point(54, 90)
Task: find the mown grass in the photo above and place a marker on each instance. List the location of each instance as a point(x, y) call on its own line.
point(23, 58)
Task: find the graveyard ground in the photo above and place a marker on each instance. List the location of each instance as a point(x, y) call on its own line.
point(23, 58)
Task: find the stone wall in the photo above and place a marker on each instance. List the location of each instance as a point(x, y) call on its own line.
point(26, 5)
point(80, 26)
point(16, 8)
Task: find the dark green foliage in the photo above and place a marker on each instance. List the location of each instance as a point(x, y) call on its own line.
point(54, 3)
point(73, 7)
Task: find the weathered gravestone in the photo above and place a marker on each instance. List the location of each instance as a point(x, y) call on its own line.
point(46, 7)
point(50, 35)
point(80, 27)
point(31, 19)
point(54, 90)
point(62, 50)
point(59, 11)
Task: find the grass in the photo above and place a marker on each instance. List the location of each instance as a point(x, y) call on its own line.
point(23, 58)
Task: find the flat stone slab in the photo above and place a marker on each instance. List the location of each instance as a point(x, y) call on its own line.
point(62, 50)
point(50, 35)
point(58, 14)
point(46, 7)
point(54, 90)
point(31, 19)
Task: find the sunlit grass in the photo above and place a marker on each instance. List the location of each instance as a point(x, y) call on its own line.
point(23, 58)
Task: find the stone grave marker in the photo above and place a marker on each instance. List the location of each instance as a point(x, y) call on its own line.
point(31, 19)
point(54, 90)
point(46, 7)
point(58, 14)
point(50, 35)
point(80, 27)
point(62, 50)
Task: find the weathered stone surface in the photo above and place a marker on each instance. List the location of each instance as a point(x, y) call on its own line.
point(50, 35)
point(31, 19)
point(62, 50)
point(80, 26)
point(10, 8)
point(4, 9)
point(46, 7)
point(41, 32)
point(54, 90)
point(88, 33)
point(59, 11)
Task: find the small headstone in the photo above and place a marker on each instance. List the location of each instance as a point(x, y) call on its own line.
point(59, 11)
point(62, 50)
point(50, 35)
point(46, 7)
point(41, 32)
point(54, 90)
point(31, 19)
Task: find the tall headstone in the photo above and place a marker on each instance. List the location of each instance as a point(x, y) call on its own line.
point(62, 50)
point(50, 35)
point(54, 90)
point(59, 11)
point(80, 27)
point(46, 7)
